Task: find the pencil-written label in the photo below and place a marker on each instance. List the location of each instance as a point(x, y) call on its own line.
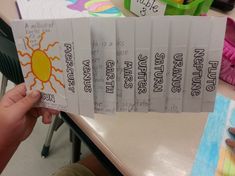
point(34, 30)
point(147, 7)
point(97, 76)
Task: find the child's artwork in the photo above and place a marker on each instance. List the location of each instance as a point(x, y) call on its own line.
point(50, 9)
point(39, 54)
point(95, 7)
point(213, 156)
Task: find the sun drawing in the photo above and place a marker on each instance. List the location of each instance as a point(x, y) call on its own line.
point(41, 64)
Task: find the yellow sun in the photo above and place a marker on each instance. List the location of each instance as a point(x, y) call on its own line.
point(41, 64)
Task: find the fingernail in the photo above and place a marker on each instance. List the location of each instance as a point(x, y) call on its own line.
point(231, 130)
point(35, 94)
point(228, 142)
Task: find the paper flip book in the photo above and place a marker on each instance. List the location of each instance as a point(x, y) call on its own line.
point(108, 65)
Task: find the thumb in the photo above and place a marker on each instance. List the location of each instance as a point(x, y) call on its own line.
point(25, 104)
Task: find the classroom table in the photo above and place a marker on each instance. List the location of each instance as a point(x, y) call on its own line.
point(139, 144)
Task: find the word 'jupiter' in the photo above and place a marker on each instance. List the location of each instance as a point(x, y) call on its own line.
point(142, 74)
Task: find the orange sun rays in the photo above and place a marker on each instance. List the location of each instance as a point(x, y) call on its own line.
point(58, 81)
point(50, 45)
point(51, 59)
point(24, 54)
point(57, 69)
point(27, 75)
point(42, 86)
point(40, 41)
point(28, 63)
point(54, 58)
point(28, 45)
point(34, 83)
point(52, 87)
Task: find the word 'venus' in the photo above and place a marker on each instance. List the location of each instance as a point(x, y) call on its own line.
point(87, 75)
